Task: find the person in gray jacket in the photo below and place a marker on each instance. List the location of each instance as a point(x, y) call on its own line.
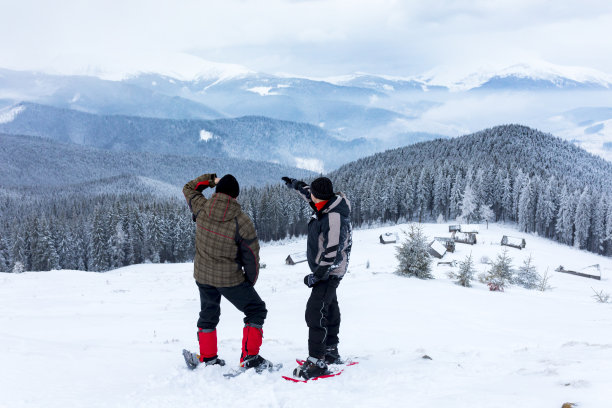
point(328, 252)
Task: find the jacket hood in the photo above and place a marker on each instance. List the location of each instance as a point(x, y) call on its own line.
point(221, 207)
point(339, 204)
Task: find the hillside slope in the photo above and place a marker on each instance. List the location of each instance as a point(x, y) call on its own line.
point(27, 161)
point(118, 335)
point(251, 137)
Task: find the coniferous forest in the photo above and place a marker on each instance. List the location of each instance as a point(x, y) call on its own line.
point(510, 174)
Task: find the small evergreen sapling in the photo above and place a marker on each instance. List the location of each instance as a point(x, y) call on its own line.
point(466, 272)
point(413, 255)
point(500, 275)
point(527, 275)
point(18, 267)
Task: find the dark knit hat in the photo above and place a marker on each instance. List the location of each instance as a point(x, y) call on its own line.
point(228, 185)
point(322, 188)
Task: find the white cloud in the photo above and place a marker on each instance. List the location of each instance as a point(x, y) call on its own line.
point(313, 38)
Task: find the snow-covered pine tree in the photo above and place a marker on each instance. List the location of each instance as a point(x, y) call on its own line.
point(546, 209)
point(520, 179)
point(565, 217)
point(500, 275)
point(116, 246)
point(582, 219)
point(598, 227)
point(99, 259)
point(527, 275)
point(18, 268)
point(466, 271)
point(440, 194)
point(525, 208)
point(423, 194)
point(608, 229)
point(506, 204)
point(486, 213)
point(456, 196)
point(413, 255)
point(468, 204)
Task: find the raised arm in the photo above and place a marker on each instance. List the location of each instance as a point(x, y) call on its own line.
point(302, 188)
point(193, 192)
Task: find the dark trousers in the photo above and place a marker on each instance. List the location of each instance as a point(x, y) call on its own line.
point(243, 297)
point(323, 317)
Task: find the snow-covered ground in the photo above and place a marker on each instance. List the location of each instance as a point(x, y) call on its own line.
point(78, 339)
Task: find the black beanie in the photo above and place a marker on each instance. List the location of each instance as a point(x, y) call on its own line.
point(322, 188)
point(228, 185)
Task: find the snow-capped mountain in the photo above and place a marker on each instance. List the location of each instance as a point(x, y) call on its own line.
point(180, 66)
point(534, 76)
point(383, 108)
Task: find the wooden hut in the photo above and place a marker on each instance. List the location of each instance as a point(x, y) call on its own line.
point(296, 258)
point(448, 242)
point(588, 272)
point(466, 238)
point(388, 238)
point(468, 233)
point(513, 242)
point(436, 249)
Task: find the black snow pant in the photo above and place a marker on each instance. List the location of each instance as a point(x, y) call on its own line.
point(323, 317)
point(243, 296)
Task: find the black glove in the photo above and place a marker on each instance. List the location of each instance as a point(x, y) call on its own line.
point(311, 280)
point(288, 182)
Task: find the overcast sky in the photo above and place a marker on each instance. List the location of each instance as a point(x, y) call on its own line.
point(309, 38)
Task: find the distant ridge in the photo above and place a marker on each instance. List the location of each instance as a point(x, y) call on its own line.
point(34, 162)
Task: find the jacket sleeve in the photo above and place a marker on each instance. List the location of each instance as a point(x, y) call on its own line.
point(302, 188)
point(193, 192)
point(248, 248)
point(332, 254)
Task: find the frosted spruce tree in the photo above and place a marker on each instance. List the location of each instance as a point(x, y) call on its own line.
point(527, 275)
point(468, 204)
point(466, 272)
point(582, 220)
point(500, 275)
point(413, 255)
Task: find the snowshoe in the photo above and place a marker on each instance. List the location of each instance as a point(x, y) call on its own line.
point(193, 360)
point(259, 363)
point(312, 368)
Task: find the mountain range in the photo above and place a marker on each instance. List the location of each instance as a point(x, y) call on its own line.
point(351, 116)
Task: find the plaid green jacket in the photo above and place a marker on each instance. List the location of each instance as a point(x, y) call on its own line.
point(216, 261)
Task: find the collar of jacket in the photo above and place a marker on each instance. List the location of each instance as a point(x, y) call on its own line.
point(318, 213)
point(321, 204)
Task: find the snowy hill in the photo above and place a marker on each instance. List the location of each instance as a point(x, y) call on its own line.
point(252, 137)
point(72, 168)
point(114, 339)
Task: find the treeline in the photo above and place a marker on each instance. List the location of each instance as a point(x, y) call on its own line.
point(94, 234)
point(509, 174)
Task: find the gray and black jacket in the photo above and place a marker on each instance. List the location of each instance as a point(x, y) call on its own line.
point(330, 235)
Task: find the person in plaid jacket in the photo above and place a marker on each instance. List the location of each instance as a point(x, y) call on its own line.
point(226, 264)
